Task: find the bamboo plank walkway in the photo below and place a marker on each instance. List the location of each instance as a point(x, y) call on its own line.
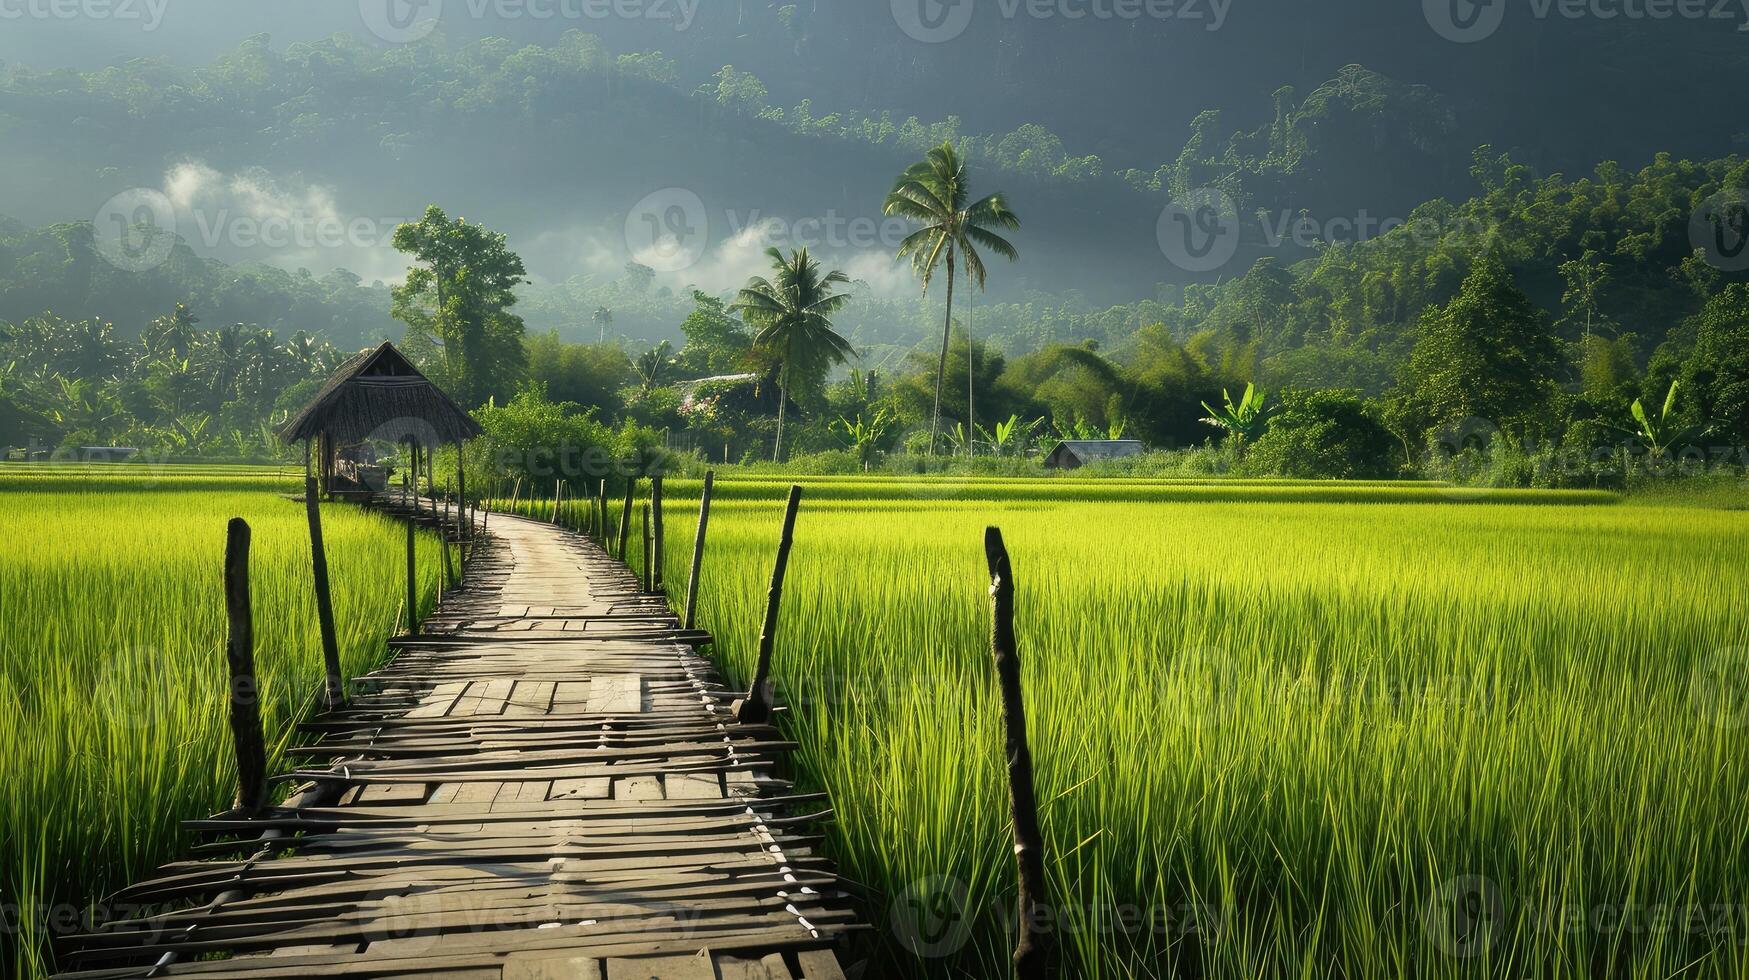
point(546, 783)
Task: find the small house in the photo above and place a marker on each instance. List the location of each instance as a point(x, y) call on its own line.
point(1072, 454)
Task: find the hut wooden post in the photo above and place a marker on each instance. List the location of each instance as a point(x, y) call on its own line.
point(656, 543)
point(1032, 948)
point(756, 707)
point(412, 533)
point(625, 516)
point(240, 657)
point(704, 517)
point(333, 693)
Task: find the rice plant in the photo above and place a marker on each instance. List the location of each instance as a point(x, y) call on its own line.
point(1387, 737)
point(112, 676)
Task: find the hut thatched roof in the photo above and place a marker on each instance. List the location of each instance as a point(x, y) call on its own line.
point(380, 395)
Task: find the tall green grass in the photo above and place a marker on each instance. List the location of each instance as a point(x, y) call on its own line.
point(1278, 738)
point(112, 676)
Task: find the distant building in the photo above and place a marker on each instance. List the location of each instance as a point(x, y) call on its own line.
point(1072, 454)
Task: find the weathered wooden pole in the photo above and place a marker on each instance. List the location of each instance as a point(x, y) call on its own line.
point(704, 517)
point(333, 691)
point(756, 707)
point(625, 516)
point(240, 656)
point(516, 497)
point(407, 482)
point(601, 512)
point(558, 491)
point(656, 545)
point(463, 511)
point(1032, 948)
point(645, 546)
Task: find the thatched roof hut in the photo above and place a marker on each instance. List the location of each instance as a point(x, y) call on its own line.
point(380, 396)
point(377, 396)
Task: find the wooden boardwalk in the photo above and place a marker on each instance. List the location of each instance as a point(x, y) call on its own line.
point(546, 783)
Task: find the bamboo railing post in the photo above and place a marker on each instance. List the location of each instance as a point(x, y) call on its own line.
point(645, 547)
point(516, 497)
point(656, 543)
point(240, 657)
point(1032, 948)
point(625, 516)
point(558, 490)
point(333, 692)
point(756, 707)
point(704, 517)
point(463, 512)
point(601, 512)
point(408, 483)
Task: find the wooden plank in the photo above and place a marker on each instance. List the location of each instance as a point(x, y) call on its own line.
point(560, 967)
point(770, 967)
point(696, 967)
point(617, 694)
point(819, 964)
point(441, 699)
point(381, 794)
point(530, 698)
point(595, 788)
point(693, 786)
point(637, 788)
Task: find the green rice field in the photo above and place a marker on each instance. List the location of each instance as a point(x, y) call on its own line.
point(1324, 730)
point(112, 676)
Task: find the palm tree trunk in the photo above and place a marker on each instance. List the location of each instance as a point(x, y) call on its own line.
point(941, 365)
point(782, 404)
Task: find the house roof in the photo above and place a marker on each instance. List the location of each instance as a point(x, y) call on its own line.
point(379, 395)
point(1091, 449)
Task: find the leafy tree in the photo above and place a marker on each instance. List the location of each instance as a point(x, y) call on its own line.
point(716, 343)
point(1322, 435)
point(458, 299)
point(1716, 371)
point(1243, 420)
point(935, 193)
point(792, 313)
point(1487, 354)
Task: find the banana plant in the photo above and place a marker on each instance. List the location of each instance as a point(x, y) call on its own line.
point(1012, 437)
point(1659, 433)
point(1242, 420)
point(863, 436)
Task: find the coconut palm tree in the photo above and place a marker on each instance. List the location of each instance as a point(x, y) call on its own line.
point(792, 314)
point(934, 193)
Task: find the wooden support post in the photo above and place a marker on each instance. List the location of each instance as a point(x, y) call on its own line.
point(240, 655)
point(1032, 948)
point(755, 709)
point(625, 516)
point(704, 517)
point(408, 482)
point(516, 497)
point(645, 546)
point(601, 512)
point(656, 542)
point(463, 510)
point(333, 691)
